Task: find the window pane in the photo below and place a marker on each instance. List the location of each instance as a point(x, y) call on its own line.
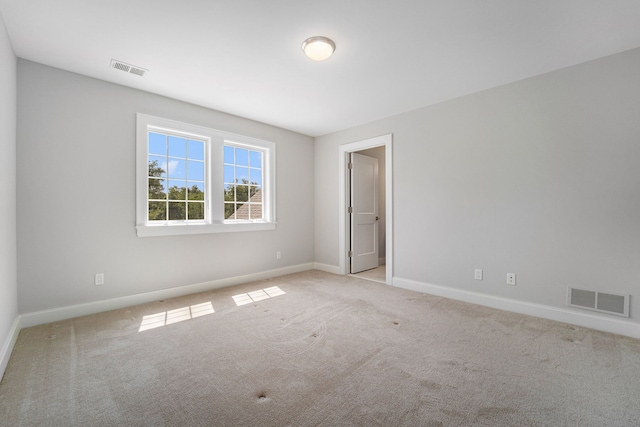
point(177, 211)
point(195, 170)
point(242, 175)
point(228, 155)
point(255, 159)
point(177, 190)
point(256, 211)
point(229, 193)
point(242, 157)
point(229, 210)
point(157, 166)
point(242, 211)
point(243, 178)
point(242, 193)
point(229, 174)
point(178, 159)
point(177, 168)
point(196, 191)
point(157, 211)
point(157, 189)
point(196, 211)
point(177, 147)
point(195, 150)
point(157, 144)
point(255, 176)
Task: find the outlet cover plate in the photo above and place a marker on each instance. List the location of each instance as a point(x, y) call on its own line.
point(98, 279)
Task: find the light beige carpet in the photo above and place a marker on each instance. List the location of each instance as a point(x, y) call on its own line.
point(378, 274)
point(315, 349)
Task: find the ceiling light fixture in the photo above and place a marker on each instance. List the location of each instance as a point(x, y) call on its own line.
point(318, 48)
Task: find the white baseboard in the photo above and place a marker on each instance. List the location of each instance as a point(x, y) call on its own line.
point(567, 315)
point(7, 346)
point(334, 269)
point(62, 313)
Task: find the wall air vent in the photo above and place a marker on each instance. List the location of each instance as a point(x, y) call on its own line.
point(603, 302)
point(128, 68)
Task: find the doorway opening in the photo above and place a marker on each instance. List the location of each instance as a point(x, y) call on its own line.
point(366, 231)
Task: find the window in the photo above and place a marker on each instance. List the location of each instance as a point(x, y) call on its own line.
point(176, 178)
point(242, 183)
point(192, 179)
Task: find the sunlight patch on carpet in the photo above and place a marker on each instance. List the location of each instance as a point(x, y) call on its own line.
point(259, 295)
point(164, 318)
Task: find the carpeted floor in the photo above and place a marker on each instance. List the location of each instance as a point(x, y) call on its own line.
point(378, 274)
point(315, 349)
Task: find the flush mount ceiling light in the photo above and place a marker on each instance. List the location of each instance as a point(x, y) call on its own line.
point(318, 48)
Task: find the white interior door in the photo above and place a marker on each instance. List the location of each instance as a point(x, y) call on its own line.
point(364, 212)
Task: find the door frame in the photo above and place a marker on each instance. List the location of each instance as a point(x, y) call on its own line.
point(385, 141)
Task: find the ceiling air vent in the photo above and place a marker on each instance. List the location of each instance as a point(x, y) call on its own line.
point(128, 68)
point(604, 302)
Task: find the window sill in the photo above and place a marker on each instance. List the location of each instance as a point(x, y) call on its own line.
point(177, 230)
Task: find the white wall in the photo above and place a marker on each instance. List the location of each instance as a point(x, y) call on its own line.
point(538, 178)
point(8, 251)
point(76, 196)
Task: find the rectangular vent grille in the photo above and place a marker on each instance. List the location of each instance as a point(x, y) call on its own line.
point(128, 68)
point(603, 302)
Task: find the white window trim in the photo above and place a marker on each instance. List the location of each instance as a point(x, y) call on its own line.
point(215, 140)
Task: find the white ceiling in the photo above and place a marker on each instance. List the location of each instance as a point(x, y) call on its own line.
point(244, 57)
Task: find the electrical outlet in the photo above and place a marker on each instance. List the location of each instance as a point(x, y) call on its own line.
point(278, 255)
point(511, 279)
point(98, 279)
point(478, 274)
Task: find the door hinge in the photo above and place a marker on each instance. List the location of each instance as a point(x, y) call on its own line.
point(350, 165)
point(350, 209)
point(350, 254)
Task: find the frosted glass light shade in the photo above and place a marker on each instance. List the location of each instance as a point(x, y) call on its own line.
point(318, 48)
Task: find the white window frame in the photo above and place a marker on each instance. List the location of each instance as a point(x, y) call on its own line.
point(214, 176)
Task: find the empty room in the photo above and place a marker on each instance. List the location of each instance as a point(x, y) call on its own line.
point(254, 213)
